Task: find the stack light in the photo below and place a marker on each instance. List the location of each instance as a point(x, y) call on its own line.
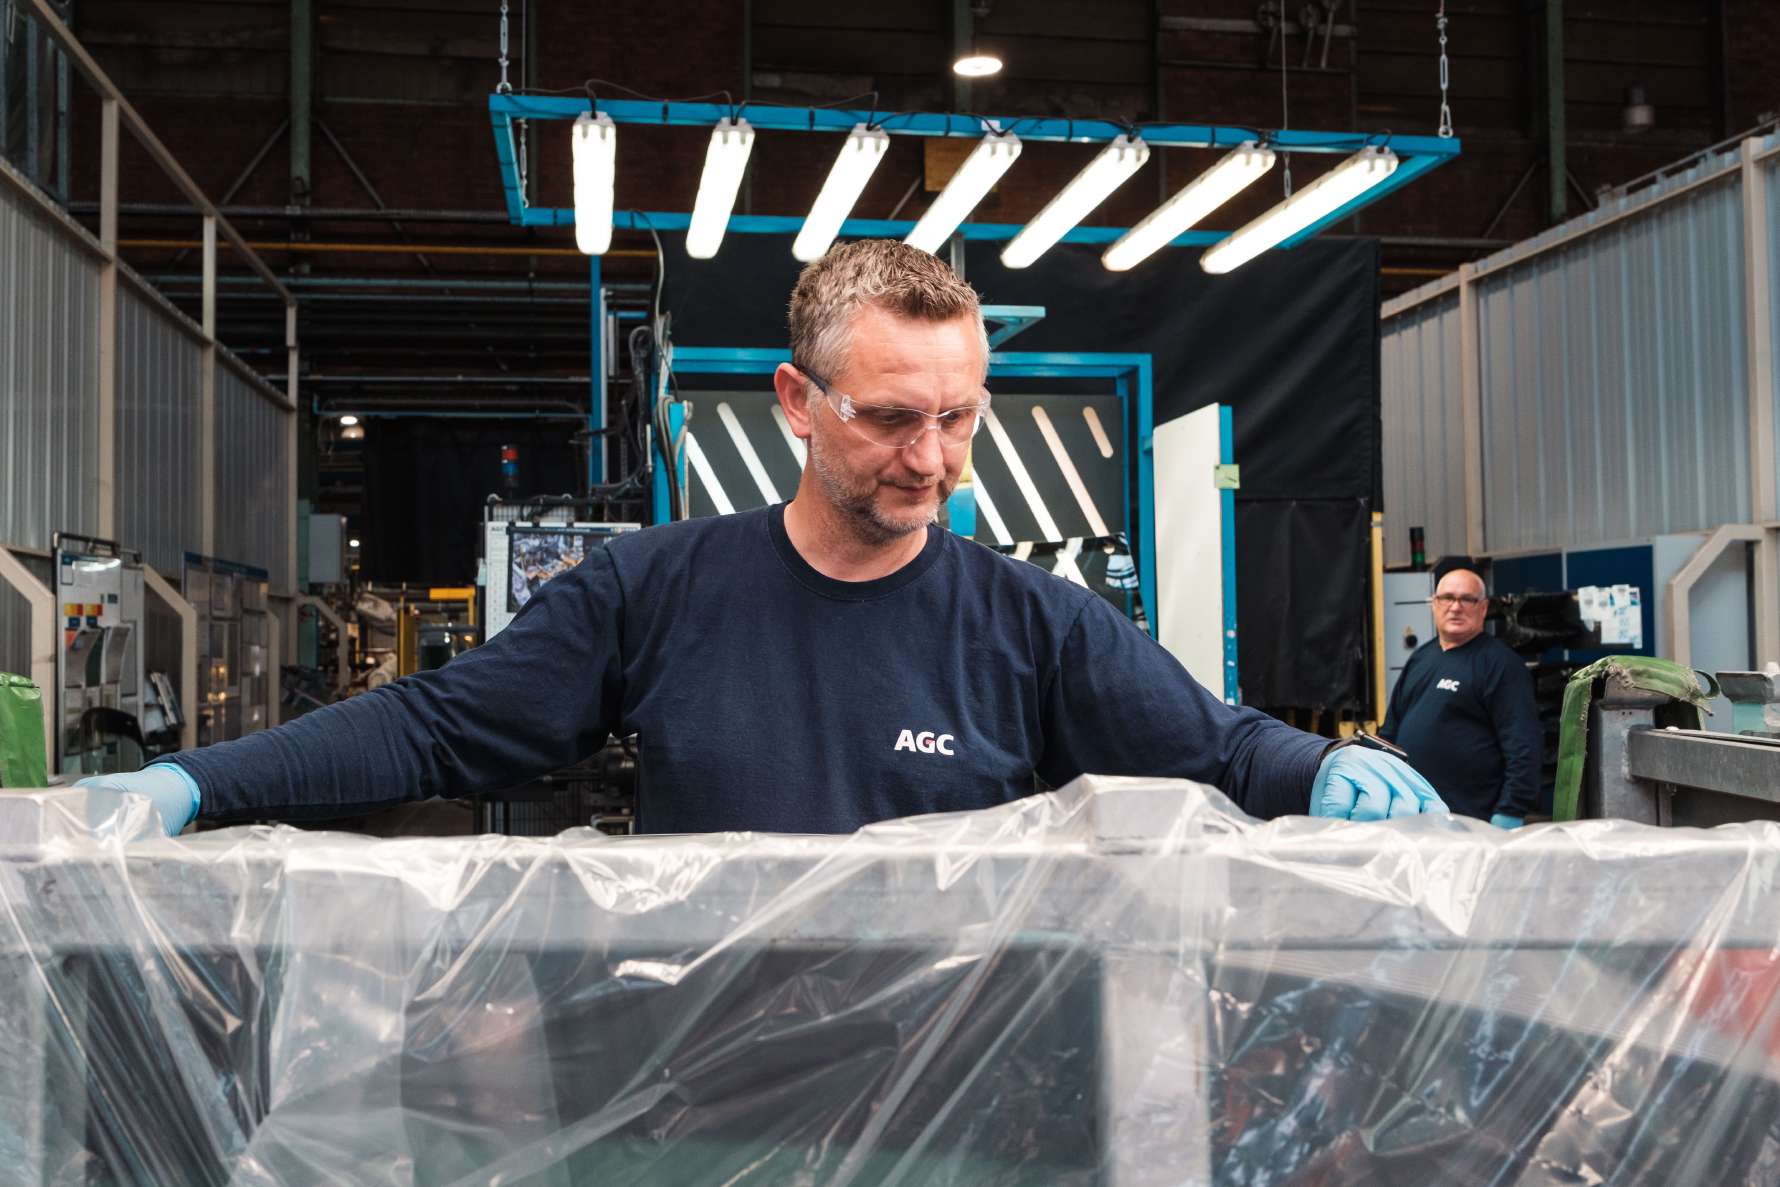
point(1235, 172)
point(726, 159)
point(858, 160)
point(1310, 205)
point(991, 158)
point(596, 161)
point(1085, 191)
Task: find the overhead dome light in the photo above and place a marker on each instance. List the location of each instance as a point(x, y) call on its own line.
point(347, 422)
point(977, 66)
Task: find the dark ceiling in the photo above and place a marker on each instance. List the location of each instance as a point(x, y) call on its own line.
point(380, 199)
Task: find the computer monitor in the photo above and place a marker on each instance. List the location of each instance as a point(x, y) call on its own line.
point(536, 554)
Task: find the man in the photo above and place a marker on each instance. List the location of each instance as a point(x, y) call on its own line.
point(811, 667)
point(1464, 711)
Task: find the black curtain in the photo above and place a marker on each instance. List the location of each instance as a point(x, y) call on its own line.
point(426, 480)
point(1289, 341)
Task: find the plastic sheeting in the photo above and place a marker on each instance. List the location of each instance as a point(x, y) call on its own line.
point(1124, 983)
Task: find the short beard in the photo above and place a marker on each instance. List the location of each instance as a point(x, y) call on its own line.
point(856, 500)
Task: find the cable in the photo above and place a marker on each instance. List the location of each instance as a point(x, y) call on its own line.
point(1285, 110)
point(891, 119)
point(672, 443)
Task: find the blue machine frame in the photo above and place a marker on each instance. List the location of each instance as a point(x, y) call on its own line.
point(1129, 373)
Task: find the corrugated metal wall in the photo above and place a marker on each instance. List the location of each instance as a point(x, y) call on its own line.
point(1423, 435)
point(252, 504)
point(49, 366)
point(158, 392)
point(1612, 380)
point(1612, 377)
point(49, 427)
point(15, 620)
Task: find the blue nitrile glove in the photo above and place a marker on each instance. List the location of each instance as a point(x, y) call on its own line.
point(1355, 783)
point(174, 793)
point(1121, 571)
point(1502, 821)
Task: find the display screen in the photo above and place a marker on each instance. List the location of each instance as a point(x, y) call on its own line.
point(535, 555)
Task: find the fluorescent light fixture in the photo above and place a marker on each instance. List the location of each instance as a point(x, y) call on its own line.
point(1086, 190)
point(977, 66)
point(1310, 205)
point(1235, 171)
point(726, 159)
point(346, 422)
point(981, 170)
point(596, 162)
point(859, 156)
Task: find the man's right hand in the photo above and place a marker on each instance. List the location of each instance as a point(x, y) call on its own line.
point(173, 792)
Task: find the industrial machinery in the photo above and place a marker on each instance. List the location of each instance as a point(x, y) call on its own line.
point(525, 543)
point(1648, 760)
point(403, 629)
point(234, 632)
point(99, 663)
point(432, 630)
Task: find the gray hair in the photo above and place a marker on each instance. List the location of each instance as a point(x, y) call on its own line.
point(890, 275)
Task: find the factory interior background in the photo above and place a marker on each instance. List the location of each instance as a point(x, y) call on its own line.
point(331, 331)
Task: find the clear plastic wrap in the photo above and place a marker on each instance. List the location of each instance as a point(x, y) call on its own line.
point(1125, 983)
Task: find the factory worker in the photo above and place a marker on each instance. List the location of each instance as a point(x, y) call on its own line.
point(813, 666)
point(1464, 712)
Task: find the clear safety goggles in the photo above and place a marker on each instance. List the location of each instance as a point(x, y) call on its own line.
point(898, 428)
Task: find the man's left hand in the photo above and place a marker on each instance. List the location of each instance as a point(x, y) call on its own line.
point(1355, 783)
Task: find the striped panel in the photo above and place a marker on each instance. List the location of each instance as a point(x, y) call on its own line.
point(1090, 503)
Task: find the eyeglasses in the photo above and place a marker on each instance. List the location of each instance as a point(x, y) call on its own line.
point(1445, 601)
point(899, 428)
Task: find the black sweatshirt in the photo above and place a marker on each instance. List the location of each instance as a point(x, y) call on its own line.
point(1468, 719)
point(770, 697)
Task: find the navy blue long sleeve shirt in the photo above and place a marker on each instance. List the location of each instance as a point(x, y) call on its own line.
point(1470, 723)
point(767, 696)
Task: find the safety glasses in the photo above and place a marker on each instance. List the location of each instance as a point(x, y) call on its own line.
point(899, 428)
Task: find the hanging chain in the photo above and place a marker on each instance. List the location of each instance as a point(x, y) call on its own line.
point(505, 87)
point(1445, 110)
point(526, 78)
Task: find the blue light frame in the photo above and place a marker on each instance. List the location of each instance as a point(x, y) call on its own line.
point(1130, 375)
point(1417, 155)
